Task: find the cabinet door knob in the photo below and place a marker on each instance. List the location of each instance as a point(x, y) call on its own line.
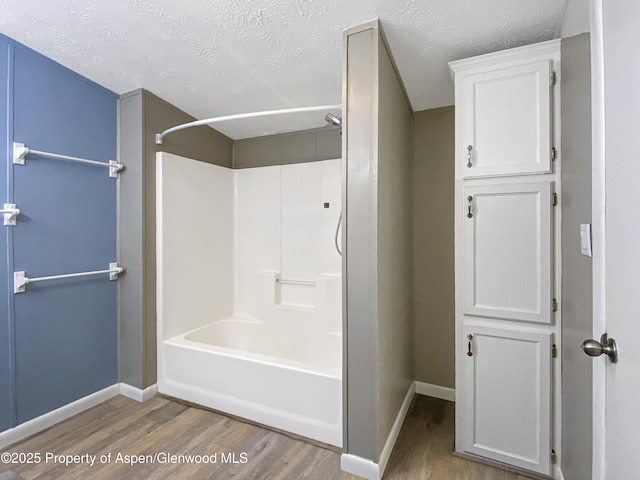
point(469, 148)
point(469, 200)
point(469, 352)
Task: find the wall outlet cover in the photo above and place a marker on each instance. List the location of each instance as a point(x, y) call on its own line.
point(585, 239)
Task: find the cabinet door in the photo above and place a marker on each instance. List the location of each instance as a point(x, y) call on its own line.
point(507, 396)
point(507, 254)
point(507, 121)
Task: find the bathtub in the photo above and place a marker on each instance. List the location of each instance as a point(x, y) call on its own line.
point(245, 368)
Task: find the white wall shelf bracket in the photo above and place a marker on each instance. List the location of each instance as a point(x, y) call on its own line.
point(114, 168)
point(115, 270)
point(20, 279)
point(10, 214)
point(20, 152)
point(19, 282)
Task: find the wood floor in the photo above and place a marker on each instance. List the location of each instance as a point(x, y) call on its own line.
point(160, 427)
point(424, 448)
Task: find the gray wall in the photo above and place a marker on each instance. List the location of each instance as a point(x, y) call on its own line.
point(287, 148)
point(359, 258)
point(433, 184)
point(378, 302)
point(577, 296)
point(395, 243)
point(141, 116)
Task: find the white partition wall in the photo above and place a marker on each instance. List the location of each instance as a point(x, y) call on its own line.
point(256, 243)
point(310, 204)
point(284, 228)
point(256, 231)
point(194, 244)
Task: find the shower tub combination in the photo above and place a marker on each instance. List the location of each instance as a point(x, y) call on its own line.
point(249, 292)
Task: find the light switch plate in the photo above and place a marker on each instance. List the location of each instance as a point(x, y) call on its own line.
point(585, 239)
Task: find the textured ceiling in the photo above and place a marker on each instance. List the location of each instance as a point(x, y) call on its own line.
point(220, 57)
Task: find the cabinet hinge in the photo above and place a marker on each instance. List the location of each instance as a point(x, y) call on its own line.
point(554, 351)
point(554, 78)
point(554, 199)
point(554, 305)
point(554, 457)
point(554, 154)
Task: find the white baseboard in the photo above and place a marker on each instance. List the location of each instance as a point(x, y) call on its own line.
point(27, 429)
point(360, 466)
point(137, 393)
point(436, 391)
point(368, 468)
point(395, 429)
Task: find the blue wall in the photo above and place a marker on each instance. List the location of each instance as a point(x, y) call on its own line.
point(59, 339)
point(6, 356)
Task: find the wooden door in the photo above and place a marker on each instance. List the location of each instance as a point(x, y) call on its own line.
point(507, 121)
point(507, 400)
point(507, 266)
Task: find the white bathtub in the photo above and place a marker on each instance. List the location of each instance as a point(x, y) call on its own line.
point(241, 367)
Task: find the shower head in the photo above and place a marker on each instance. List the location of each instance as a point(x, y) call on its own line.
point(333, 119)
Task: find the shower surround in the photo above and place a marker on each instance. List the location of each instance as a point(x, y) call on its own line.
point(250, 292)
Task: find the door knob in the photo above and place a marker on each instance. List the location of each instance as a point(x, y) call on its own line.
point(606, 345)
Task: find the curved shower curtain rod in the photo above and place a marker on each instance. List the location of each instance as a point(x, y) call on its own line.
point(267, 113)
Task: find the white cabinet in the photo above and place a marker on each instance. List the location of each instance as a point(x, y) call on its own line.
point(507, 251)
point(505, 118)
point(507, 402)
point(507, 272)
